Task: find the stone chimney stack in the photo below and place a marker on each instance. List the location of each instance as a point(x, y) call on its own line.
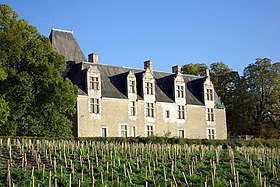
point(176, 69)
point(148, 65)
point(207, 73)
point(93, 57)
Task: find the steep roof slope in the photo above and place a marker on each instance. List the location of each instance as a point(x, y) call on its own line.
point(65, 44)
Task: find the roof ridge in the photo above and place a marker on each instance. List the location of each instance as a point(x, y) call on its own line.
point(62, 30)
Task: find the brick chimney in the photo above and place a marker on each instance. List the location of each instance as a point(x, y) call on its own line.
point(207, 73)
point(93, 57)
point(176, 69)
point(148, 65)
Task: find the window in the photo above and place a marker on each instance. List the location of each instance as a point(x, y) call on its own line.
point(180, 91)
point(167, 114)
point(181, 112)
point(150, 110)
point(149, 88)
point(94, 106)
point(94, 83)
point(211, 134)
point(209, 94)
point(210, 114)
point(149, 130)
point(104, 132)
point(123, 130)
point(132, 108)
point(132, 86)
point(134, 131)
point(181, 133)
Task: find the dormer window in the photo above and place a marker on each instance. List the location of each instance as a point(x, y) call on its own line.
point(149, 88)
point(94, 83)
point(209, 94)
point(180, 91)
point(132, 86)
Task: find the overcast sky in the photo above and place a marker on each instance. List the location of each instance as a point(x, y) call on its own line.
point(169, 32)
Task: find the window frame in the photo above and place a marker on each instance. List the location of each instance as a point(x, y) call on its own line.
point(149, 130)
point(211, 134)
point(124, 131)
point(180, 91)
point(150, 110)
point(94, 105)
point(132, 86)
point(181, 112)
point(149, 88)
point(94, 82)
point(106, 132)
point(181, 135)
point(210, 114)
point(209, 94)
point(132, 108)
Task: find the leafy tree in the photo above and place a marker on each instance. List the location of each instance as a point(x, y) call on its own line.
point(262, 83)
point(40, 100)
point(194, 69)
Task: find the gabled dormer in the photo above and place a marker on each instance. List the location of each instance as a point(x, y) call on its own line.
point(179, 93)
point(131, 86)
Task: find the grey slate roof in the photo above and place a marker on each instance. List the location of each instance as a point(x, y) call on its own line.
point(113, 83)
point(65, 44)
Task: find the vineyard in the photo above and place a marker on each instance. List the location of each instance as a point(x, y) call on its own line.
point(30, 162)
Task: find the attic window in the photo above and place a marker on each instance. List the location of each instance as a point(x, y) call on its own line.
point(132, 86)
point(209, 94)
point(180, 91)
point(94, 83)
point(149, 88)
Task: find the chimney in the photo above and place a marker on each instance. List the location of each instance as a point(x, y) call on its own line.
point(148, 65)
point(93, 57)
point(176, 69)
point(207, 73)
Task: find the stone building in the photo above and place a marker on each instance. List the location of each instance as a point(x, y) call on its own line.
point(123, 102)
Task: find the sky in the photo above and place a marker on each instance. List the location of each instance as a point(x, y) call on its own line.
point(169, 32)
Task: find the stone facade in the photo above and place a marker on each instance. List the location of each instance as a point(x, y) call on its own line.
point(126, 102)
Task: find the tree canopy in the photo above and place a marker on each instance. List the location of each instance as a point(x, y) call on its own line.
point(252, 101)
point(37, 99)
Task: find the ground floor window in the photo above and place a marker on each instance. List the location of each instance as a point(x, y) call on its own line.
point(181, 133)
point(149, 130)
point(123, 130)
point(211, 134)
point(104, 131)
point(133, 132)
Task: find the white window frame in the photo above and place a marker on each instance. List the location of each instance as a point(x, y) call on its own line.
point(150, 110)
point(132, 108)
point(106, 130)
point(167, 114)
point(94, 82)
point(94, 105)
point(149, 130)
point(211, 133)
point(133, 131)
point(210, 114)
point(132, 86)
point(181, 135)
point(180, 91)
point(149, 88)
point(181, 112)
point(209, 94)
point(123, 130)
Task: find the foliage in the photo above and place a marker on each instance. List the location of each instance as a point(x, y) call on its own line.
point(33, 162)
point(194, 69)
point(39, 99)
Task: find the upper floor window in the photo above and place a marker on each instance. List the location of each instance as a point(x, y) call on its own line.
point(123, 130)
point(167, 114)
point(94, 105)
point(132, 86)
point(210, 114)
point(132, 108)
point(180, 91)
point(94, 83)
point(149, 130)
point(209, 94)
point(150, 110)
point(211, 134)
point(149, 88)
point(181, 112)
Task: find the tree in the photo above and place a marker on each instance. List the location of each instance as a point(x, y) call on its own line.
point(194, 69)
point(262, 83)
point(41, 102)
